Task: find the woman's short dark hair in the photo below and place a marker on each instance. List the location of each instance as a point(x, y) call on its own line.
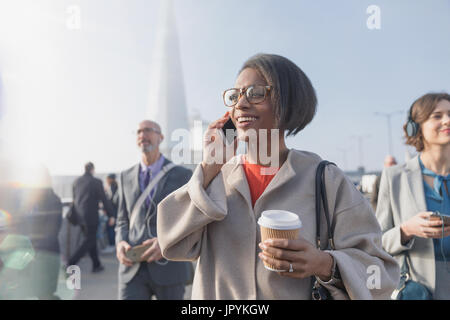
point(420, 111)
point(293, 96)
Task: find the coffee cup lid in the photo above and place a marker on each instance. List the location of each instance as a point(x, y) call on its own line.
point(279, 219)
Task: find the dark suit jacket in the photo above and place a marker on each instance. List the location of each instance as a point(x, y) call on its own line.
point(129, 191)
point(87, 193)
point(113, 196)
point(46, 221)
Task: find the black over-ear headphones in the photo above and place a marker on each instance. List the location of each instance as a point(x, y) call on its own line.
point(412, 127)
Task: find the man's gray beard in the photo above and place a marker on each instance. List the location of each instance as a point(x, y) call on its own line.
point(148, 148)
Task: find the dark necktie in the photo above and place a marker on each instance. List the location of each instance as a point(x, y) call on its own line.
point(148, 177)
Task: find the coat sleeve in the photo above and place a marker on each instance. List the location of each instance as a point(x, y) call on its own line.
point(375, 192)
point(366, 270)
point(122, 221)
point(391, 232)
point(184, 214)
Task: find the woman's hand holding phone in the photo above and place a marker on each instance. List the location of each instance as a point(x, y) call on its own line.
point(422, 226)
point(215, 153)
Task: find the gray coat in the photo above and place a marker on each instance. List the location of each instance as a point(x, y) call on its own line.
point(172, 273)
point(401, 197)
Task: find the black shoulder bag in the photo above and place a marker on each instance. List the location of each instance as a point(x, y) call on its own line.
point(318, 291)
point(72, 215)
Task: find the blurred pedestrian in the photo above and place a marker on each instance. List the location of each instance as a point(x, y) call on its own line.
point(45, 218)
point(36, 214)
point(87, 193)
point(148, 275)
point(113, 196)
point(409, 194)
point(389, 161)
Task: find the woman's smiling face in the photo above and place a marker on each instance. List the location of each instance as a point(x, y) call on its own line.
point(436, 129)
point(247, 116)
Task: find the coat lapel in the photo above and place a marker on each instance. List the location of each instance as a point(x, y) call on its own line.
point(159, 185)
point(415, 184)
point(134, 189)
point(237, 179)
point(285, 173)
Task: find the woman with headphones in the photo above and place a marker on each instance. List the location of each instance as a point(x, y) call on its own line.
point(414, 197)
point(213, 218)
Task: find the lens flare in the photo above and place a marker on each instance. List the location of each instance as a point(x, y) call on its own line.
point(5, 219)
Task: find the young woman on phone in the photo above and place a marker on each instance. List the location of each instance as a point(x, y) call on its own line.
point(213, 218)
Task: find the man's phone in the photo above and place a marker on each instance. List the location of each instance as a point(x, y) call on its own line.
point(135, 253)
point(231, 136)
point(438, 216)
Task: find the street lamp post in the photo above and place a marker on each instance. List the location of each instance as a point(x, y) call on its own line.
point(388, 116)
point(360, 139)
point(344, 157)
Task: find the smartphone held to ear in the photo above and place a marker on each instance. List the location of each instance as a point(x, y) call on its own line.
point(228, 132)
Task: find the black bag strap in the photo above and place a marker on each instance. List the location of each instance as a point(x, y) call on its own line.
point(321, 198)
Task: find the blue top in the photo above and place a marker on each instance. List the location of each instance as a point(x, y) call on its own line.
point(438, 199)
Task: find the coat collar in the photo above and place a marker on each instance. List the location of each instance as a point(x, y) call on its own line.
point(415, 183)
point(158, 190)
point(131, 181)
point(133, 176)
point(235, 176)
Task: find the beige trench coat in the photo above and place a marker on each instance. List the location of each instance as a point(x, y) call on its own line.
point(219, 228)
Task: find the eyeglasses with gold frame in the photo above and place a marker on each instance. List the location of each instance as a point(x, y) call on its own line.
point(253, 94)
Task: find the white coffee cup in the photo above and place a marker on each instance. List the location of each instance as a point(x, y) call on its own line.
point(278, 224)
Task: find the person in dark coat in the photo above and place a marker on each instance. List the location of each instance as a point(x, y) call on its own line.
point(36, 217)
point(151, 275)
point(113, 197)
point(87, 193)
point(45, 221)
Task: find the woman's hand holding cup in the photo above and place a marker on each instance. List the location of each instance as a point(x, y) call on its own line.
point(306, 260)
point(286, 252)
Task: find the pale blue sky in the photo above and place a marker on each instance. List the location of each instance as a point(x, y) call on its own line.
point(76, 95)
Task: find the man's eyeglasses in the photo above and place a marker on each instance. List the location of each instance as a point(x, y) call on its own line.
point(147, 130)
point(253, 94)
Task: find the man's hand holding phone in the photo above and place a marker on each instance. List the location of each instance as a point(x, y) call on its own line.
point(121, 252)
point(153, 253)
point(148, 251)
